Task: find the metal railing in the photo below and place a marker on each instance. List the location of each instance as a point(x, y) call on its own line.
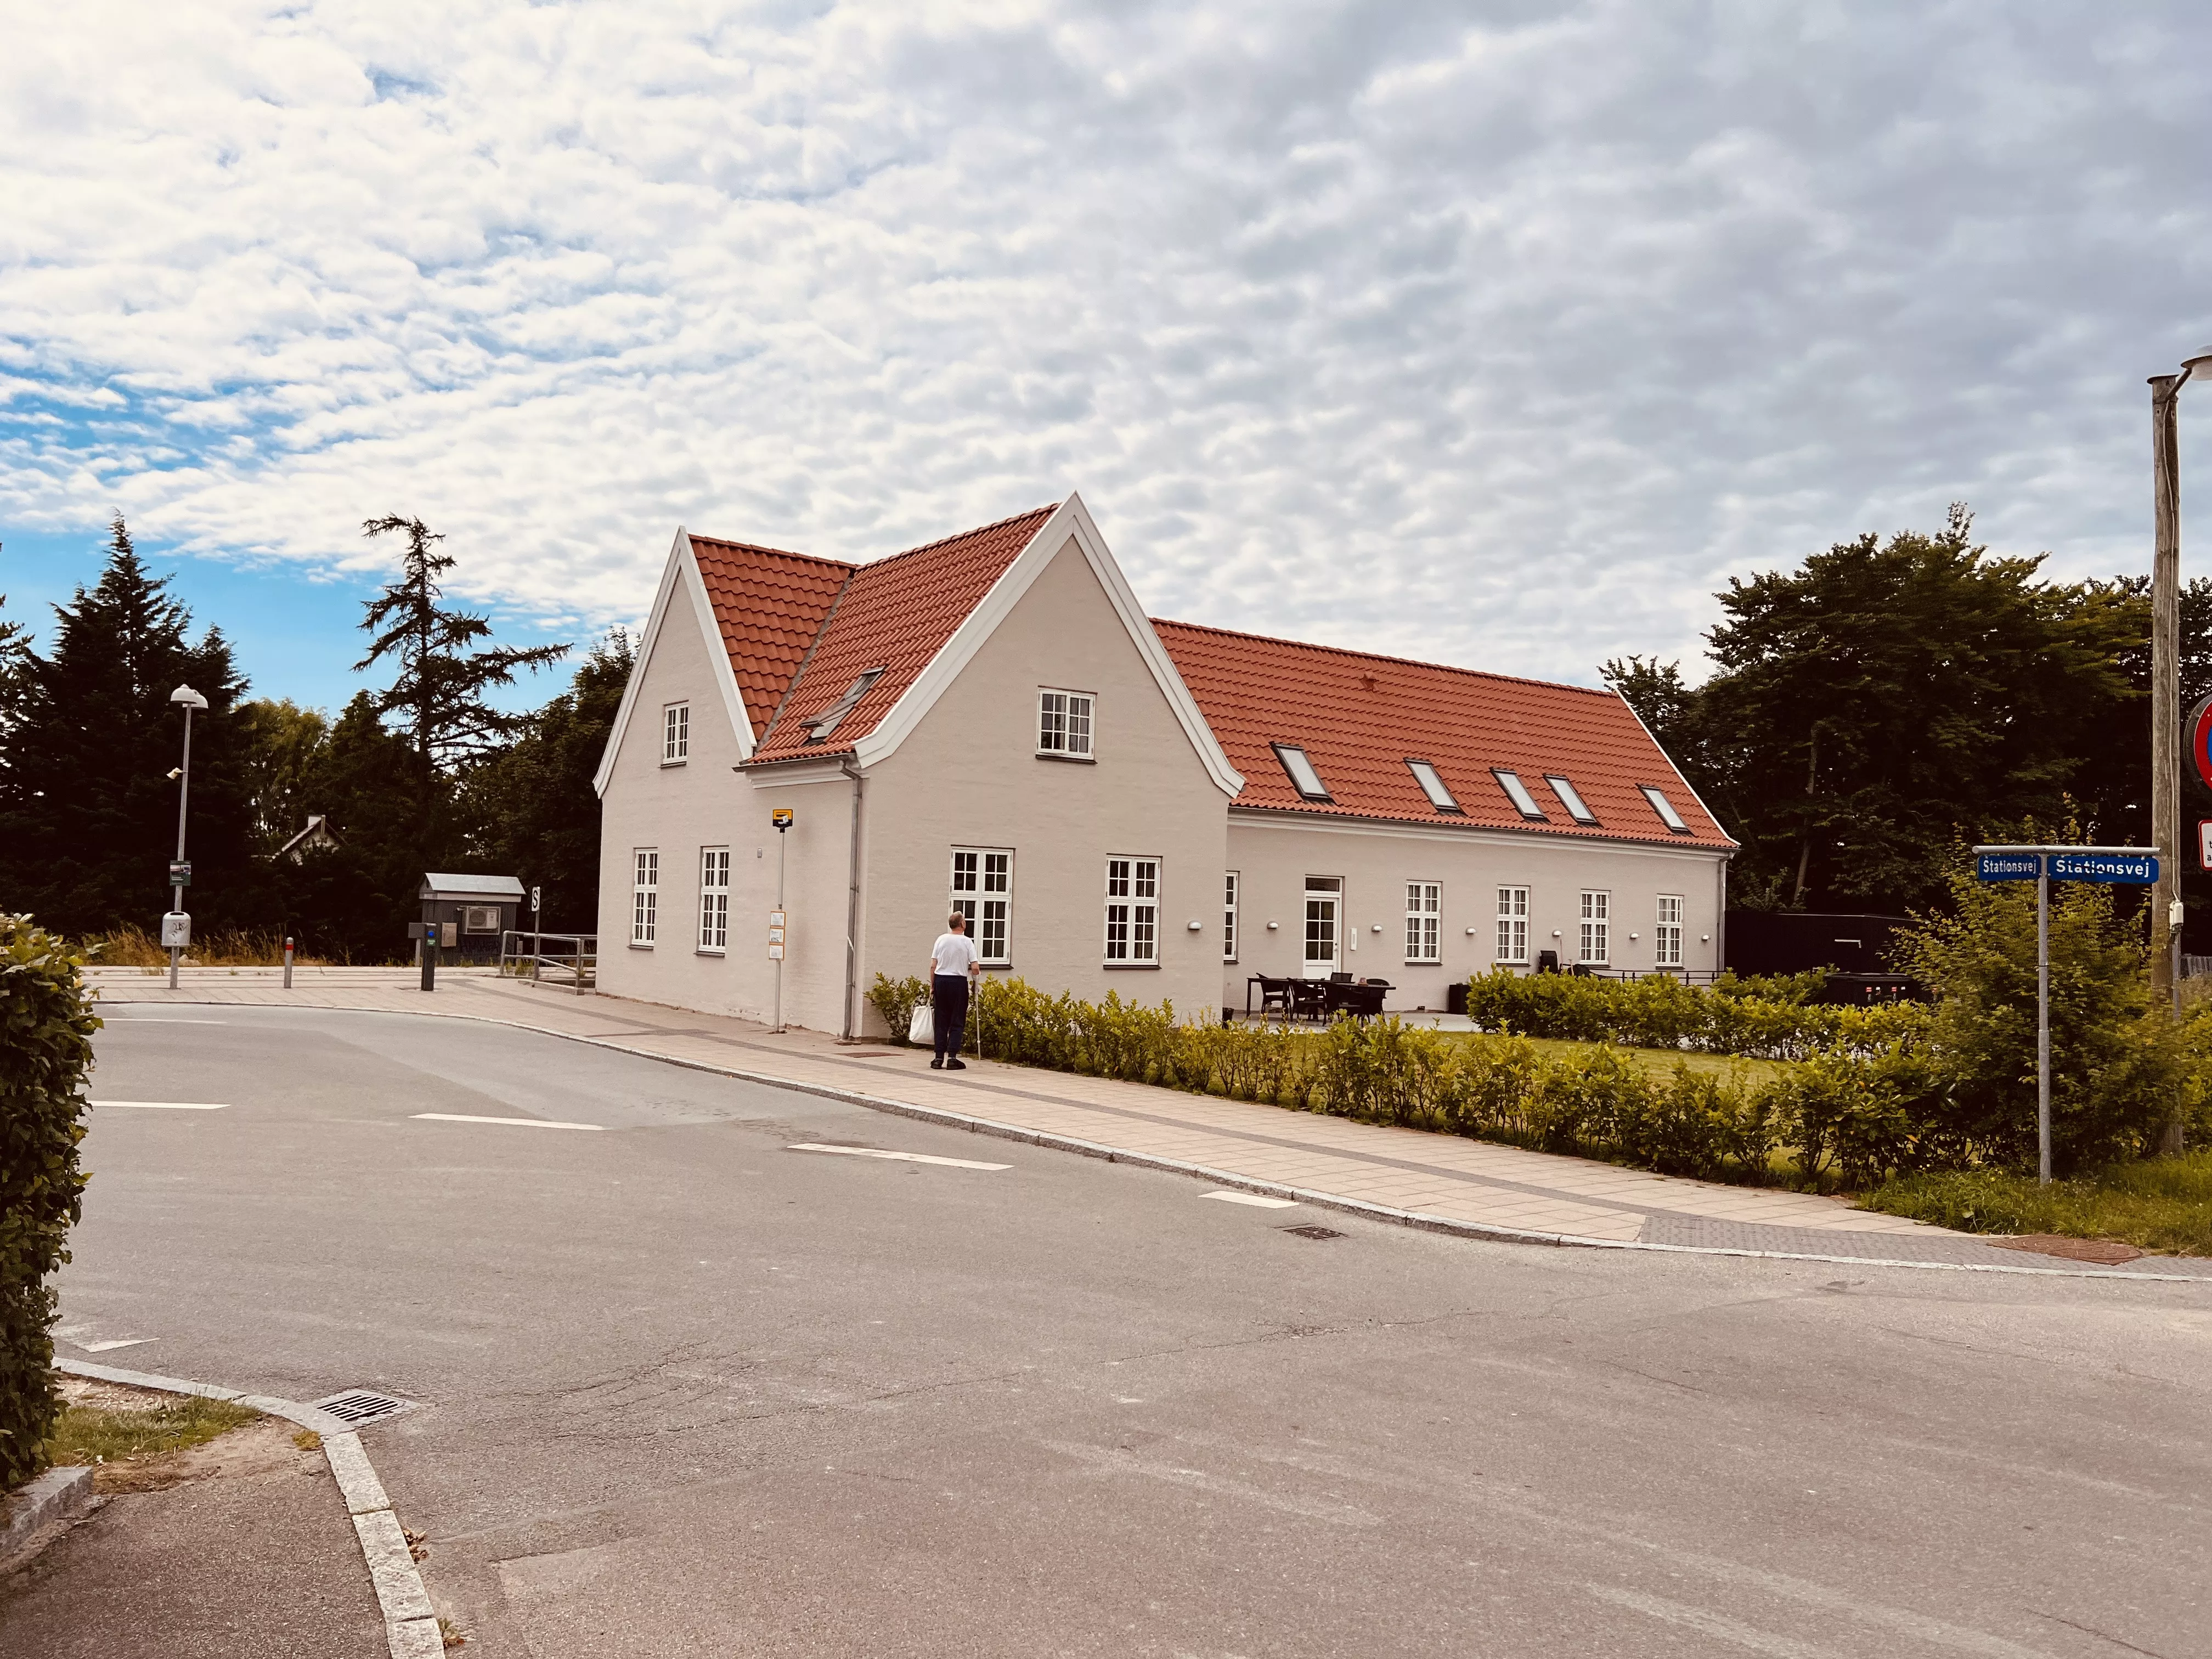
point(574, 960)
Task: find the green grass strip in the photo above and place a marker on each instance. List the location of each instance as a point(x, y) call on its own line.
point(2161, 1204)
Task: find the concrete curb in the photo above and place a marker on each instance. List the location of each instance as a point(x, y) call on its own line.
point(58, 1495)
point(1415, 1218)
point(410, 1626)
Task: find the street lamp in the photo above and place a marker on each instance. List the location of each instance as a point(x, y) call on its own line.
point(176, 926)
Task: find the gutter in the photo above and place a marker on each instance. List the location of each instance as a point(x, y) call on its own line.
point(851, 768)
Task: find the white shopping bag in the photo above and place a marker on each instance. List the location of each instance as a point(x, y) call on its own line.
point(922, 1028)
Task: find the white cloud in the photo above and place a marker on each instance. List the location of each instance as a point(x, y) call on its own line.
point(1498, 335)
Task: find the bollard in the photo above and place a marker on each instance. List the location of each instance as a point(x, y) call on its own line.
point(287, 961)
point(429, 964)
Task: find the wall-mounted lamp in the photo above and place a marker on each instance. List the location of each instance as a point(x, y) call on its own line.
point(1555, 932)
point(1378, 928)
point(1636, 936)
point(1704, 939)
point(1470, 932)
point(1195, 924)
point(1272, 926)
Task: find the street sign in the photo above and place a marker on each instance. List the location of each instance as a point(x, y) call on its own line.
point(533, 898)
point(782, 818)
point(2008, 866)
point(2138, 869)
point(2200, 742)
point(180, 873)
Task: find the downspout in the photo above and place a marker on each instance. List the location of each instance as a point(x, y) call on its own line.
point(1720, 919)
point(846, 764)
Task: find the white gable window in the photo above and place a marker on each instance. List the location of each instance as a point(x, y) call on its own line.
point(1229, 920)
point(1424, 922)
point(714, 898)
point(1597, 928)
point(1517, 793)
point(983, 891)
point(1665, 809)
point(1570, 800)
point(644, 895)
point(1432, 786)
point(1667, 933)
point(1064, 724)
point(819, 728)
point(1133, 911)
point(676, 734)
point(1303, 778)
point(1513, 924)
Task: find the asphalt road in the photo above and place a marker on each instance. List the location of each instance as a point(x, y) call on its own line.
point(688, 1391)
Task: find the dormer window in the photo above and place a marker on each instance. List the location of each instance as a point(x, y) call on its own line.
point(1665, 809)
point(1432, 786)
point(831, 717)
point(1570, 800)
point(1517, 793)
point(1303, 778)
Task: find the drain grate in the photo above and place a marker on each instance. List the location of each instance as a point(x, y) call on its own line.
point(359, 1407)
point(1310, 1231)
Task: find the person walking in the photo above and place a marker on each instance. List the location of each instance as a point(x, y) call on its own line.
point(952, 968)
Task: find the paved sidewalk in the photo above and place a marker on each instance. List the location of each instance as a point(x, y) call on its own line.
point(1464, 1183)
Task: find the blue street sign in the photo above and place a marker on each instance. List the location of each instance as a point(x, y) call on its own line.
point(2008, 866)
point(2139, 870)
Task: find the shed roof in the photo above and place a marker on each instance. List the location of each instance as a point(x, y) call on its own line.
point(1360, 718)
point(438, 884)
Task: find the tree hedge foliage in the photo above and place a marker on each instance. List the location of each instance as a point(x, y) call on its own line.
point(46, 1024)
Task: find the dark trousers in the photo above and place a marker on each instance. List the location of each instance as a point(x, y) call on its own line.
point(948, 1002)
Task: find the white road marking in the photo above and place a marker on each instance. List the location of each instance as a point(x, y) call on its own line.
point(155, 1019)
point(1706, 1622)
point(526, 1122)
point(166, 1105)
point(902, 1158)
point(1255, 1199)
point(126, 1342)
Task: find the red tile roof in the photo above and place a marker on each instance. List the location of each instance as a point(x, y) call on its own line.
point(801, 631)
point(1359, 718)
point(771, 606)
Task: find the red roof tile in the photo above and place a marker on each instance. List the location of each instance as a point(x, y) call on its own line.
point(895, 615)
point(1359, 718)
point(771, 606)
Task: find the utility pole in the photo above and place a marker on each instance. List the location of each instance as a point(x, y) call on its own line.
point(2165, 677)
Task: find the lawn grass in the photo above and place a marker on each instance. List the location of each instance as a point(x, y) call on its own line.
point(2159, 1204)
point(95, 1430)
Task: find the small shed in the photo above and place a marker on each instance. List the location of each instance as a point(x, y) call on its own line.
point(318, 834)
point(471, 912)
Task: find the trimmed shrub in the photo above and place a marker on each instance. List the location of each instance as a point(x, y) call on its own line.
point(46, 1024)
point(1759, 1019)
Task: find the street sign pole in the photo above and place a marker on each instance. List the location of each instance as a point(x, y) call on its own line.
point(2138, 866)
point(779, 932)
point(2043, 1021)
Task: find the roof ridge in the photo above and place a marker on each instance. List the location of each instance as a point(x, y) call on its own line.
point(846, 565)
point(962, 535)
point(1378, 656)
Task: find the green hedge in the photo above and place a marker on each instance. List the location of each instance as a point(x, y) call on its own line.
point(1762, 1020)
point(46, 1024)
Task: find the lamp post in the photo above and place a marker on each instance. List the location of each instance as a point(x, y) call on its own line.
point(2165, 687)
point(176, 934)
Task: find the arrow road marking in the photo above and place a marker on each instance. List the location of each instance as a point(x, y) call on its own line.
point(902, 1158)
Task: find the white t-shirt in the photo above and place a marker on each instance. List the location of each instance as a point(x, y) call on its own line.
point(952, 953)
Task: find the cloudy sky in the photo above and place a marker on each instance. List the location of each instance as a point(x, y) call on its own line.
point(1499, 334)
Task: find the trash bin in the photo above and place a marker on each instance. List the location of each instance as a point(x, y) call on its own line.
point(1456, 997)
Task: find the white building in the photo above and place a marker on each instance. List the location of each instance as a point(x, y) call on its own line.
point(991, 721)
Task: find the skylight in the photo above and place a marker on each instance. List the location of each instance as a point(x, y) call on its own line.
point(1568, 798)
point(1665, 809)
point(1303, 778)
point(1432, 786)
point(834, 716)
point(1517, 793)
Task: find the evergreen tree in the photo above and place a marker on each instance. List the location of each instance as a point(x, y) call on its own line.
point(439, 695)
point(531, 808)
point(282, 741)
point(87, 810)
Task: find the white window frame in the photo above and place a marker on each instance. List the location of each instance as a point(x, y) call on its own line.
point(981, 888)
point(644, 896)
point(714, 900)
point(1597, 937)
point(1229, 940)
point(1512, 924)
point(1424, 922)
point(1067, 724)
point(1667, 932)
point(1133, 911)
point(675, 733)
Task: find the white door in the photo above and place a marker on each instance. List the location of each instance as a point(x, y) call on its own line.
point(1324, 895)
